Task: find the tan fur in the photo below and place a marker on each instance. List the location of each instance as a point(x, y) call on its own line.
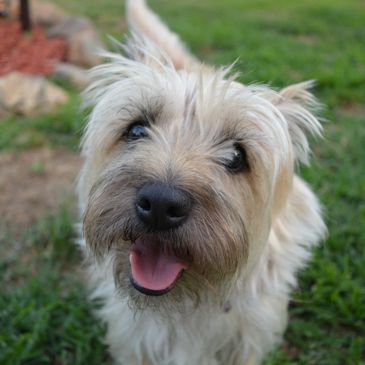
point(248, 233)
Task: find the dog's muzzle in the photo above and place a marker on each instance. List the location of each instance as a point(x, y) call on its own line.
point(155, 269)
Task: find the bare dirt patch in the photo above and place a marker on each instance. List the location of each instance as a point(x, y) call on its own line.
point(352, 108)
point(33, 183)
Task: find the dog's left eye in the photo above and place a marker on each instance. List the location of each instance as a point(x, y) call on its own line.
point(238, 161)
point(136, 131)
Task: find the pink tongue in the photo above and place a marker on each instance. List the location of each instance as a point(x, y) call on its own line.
point(152, 268)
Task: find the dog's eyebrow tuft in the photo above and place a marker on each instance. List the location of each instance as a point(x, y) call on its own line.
point(151, 109)
point(147, 111)
point(148, 115)
point(230, 133)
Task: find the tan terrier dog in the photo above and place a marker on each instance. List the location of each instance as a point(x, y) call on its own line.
point(195, 224)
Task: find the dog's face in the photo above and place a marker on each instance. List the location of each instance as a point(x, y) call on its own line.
point(185, 171)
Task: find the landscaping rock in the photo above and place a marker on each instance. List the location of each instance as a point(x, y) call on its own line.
point(29, 95)
point(82, 39)
point(41, 12)
point(75, 75)
point(45, 13)
point(12, 9)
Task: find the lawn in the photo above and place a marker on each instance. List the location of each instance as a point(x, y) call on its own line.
point(45, 317)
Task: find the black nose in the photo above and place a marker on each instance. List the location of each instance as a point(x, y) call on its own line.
point(160, 206)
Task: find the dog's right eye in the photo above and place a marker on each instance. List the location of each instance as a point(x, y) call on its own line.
point(238, 161)
point(136, 131)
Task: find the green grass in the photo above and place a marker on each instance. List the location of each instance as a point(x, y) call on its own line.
point(63, 127)
point(45, 317)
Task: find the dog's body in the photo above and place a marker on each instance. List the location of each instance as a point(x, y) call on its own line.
point(193, 217)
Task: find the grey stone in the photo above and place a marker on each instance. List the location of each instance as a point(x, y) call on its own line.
point(75, 75)
point(41, 12)
point(46, 13)
point(29, 95)
point(82, 39)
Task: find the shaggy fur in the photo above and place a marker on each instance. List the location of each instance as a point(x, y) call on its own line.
point(248, 233)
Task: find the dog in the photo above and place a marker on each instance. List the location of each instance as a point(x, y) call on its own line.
point(194, 221)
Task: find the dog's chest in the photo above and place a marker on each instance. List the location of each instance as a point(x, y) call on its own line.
point(198, 338)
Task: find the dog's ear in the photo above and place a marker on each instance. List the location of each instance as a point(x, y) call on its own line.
point(298, 105)
point(152, 41)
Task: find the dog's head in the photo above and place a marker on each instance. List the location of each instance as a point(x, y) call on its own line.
point(186, 168)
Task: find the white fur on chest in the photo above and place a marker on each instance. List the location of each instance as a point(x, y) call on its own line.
point(198, 337)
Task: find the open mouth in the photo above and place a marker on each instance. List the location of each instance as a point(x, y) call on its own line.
point(154, 271)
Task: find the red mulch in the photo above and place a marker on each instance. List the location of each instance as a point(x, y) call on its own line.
point(31, 53)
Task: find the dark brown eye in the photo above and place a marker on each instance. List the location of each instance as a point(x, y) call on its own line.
point(238, 161)
point(136, 131)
